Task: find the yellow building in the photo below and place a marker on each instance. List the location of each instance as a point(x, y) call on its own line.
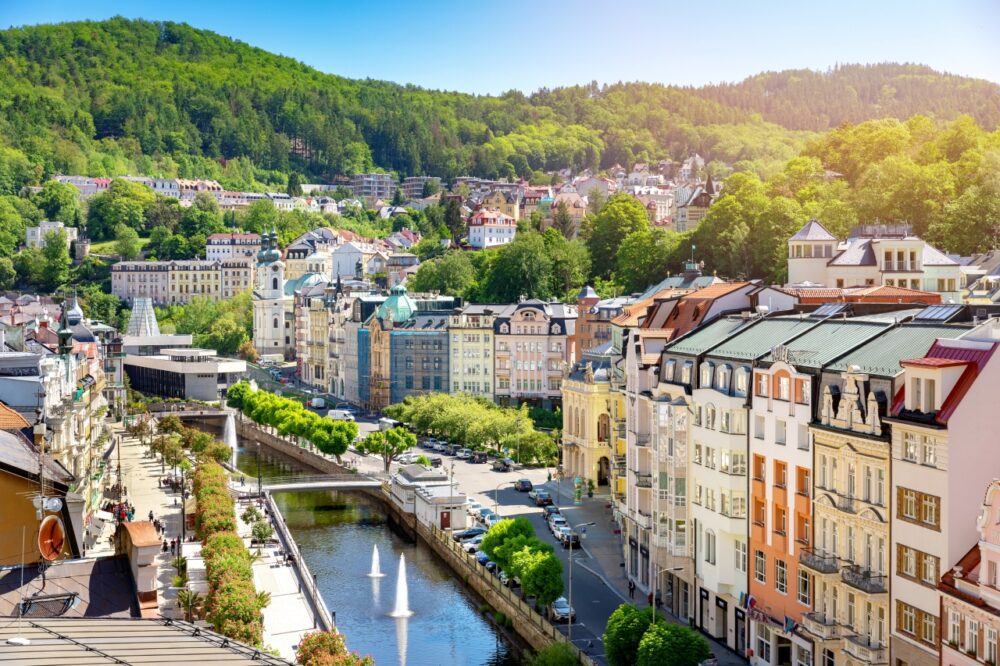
point(849, 559)
point(179, 281)
point(471, 344)
point(508, 203)
point(587, 418)
point(312, 335)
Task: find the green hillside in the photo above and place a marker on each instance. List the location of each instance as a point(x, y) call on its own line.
point(124, 96)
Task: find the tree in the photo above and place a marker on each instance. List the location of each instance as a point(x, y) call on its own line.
point(643, 257)
point(502, 531)
point(666, 644)
point(562, 221)
point(55, 261)
point(192, 603)
point(557, 654)
point(450, 274)
point(60, 201)
point(622, 215)
point(29, 264)
point(328, 648)
point(262, 531)
point(453, 218)
point(170, 424)
point(124, 202)
point(397, 198)
point(540, 573)
point(388, 444)
point(431, 187)
point(623, 633)
point(248, 352)
point(294, 184)
point(202, 217)
point(7, 273)
point(521, 268)
point(127, 244)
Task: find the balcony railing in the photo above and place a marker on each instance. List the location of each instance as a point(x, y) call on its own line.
point(863, 579)
point(866, 649)
point(821, 625)
point(818, 560)
point(847, 504)
point(643, 520)
point(642, 440)
point(643, 480)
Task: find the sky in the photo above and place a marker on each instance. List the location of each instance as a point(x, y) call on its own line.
point(490, 47)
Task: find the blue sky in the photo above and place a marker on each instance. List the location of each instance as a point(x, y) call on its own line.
point(483, 47)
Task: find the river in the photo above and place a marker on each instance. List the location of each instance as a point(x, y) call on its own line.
point(335, 532)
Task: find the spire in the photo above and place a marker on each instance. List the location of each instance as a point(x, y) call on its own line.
point(710, 186)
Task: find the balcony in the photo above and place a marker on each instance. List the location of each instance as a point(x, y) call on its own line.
point(821, 625)
point(865, 649)
point(643, 520)
point(818, 561)
point(642, 440)
point(643, 480)
point(846, 504)
point(863, 579)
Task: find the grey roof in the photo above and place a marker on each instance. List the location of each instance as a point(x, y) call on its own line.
point(17, 452)
point(601, 370)
point(705, 337)
point(757, 340)
point(818, 346)
point(101, 640)
point(881, 355)
point(586, 292)
point(934, 257)
point(813, 231)
point(71, 588)
point(856, 252)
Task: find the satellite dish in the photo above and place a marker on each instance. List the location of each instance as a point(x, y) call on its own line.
point(51, 537)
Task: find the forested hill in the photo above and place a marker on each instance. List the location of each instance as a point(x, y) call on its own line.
point(808, 100)
point(125, 96)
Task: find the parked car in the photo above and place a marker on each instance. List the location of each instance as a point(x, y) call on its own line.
point(533, 493)
point(491, 566)
point(549, 510)
point(555, 522)
point(503, 465)
point(482, 558)
point(408, 458)
point(543, 498)
point(472, 545)
point(464, 454)
point(468, 533)
point(560, 611)
point(340, 415)
point(435, 461)
point(472, 507)
point(523, 485)
point(492, 520)
point(452, 449)
point(485, 513)
point(479, 457)
point(572, 538)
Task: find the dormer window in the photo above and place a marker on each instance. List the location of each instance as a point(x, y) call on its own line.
point(706, 375)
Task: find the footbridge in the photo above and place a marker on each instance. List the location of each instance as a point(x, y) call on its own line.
point(318, 482)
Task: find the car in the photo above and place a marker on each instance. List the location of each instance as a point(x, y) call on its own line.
point(543, 498)
point(472, 545)
point(491, 566)
point(479, 457)
point(549, 511)
point(440, 447)
point(503, 465)
point(560, 611)
point(566, 535)
point(533, 493)
point(464, 454)
point(555, 522)
point(523, 486)
point(472, 507)
point(482, 558)
point(492, 520)
point(408, 458)
point(485, 513)
point(435, 461)
point(468, 533)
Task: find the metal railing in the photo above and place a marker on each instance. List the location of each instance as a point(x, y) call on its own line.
point(643, 480)
point(847, 504)
point(866, 649)
point(818, 560)
point(863, 579)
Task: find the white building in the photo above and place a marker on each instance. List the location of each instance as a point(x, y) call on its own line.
point(35, 236)
point(232, 246)
point(429, 495)
point(187, 373)
point(491, 228)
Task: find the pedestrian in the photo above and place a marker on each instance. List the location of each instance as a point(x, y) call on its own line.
point(164, 544)
point(173, 547)
point(150, 515)
point(649, 598)
point(631, 589)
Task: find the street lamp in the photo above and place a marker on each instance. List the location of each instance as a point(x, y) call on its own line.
point(569, 626)
point(656, 575)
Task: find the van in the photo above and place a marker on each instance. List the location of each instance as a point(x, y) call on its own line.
point(340, 415)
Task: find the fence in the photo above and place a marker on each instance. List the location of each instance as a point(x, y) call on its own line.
point(525, 609)
point(308, 582)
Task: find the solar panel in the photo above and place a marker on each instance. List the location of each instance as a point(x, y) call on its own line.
point(828, 310)
point(938, 312)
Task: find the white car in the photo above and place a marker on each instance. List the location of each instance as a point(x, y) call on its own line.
point(407, 458)
point(555, 522)
point(473, 508)
point(472, 545)
point(464, 454)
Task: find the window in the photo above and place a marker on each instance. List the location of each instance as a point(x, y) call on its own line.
point(759, 566)
point(803, 657)
point(706, 375)
point(929, 512)
point(758, 468)
point(908, 562)
point(802, 481)
point(990, 645)
point(781, 576)
point(929, 569)
point(762, 385)
point(758, 426)
point(909, 503)
point(927, 452)
point(972, 637)
point(954, 627)
point(710, 546)
point(780, 520)
point(740, 556)
point(759, 507)
point(828, 658)
point(784, 388)
point(780, 474)
point(763, 642)
point(929, 395)
point(917, 386)
point(928, 627)
point(908, 619)
point(741, 381)
point(909, 447)
point(780, 431)
point(803, 588)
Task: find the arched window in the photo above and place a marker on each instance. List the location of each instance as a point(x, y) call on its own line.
point(276, 322)
point(274, 283)
point(706, 374)
point(722, 376)
point(556, 329)
point(603, 428)
point(742, 380)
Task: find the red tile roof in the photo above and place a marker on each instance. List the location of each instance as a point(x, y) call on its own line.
point(948, 353)
point(10, 419)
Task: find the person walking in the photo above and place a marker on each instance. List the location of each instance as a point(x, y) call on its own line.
point(150, 515)
point(631, 589)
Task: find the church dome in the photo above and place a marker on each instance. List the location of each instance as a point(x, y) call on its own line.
point(398, 307)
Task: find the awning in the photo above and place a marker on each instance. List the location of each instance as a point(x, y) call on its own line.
point(104, 516)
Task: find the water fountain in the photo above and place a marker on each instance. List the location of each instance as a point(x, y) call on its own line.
point(229, 436)
point(376, 572)
point(402, 608)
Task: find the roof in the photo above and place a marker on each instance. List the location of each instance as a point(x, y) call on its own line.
point(16, 452)
point(11, 420)
point(931, 362)
point(829, 339)
point(100, 640)
point(813, 231)
point(881, 356)
point(758, 339)
point(702, 339)
point(934, 257)
point(70, 588)
point(142, 533)
point(855, 252)
point(973, 353)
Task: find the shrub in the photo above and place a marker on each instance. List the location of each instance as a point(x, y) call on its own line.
point(328, 648)
point(672, 645)
point(557, 654)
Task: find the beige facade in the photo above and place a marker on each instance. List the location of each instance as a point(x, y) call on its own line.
point(177, 282)
point(586, 433)
point(534, 340)
point(471, 342)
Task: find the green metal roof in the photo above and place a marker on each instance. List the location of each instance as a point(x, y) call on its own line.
point(882, 355)
point(758, 339)
point(830, 339)
point(705, 337)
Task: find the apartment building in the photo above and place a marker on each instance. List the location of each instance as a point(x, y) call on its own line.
point(491, 228)
point(472, 341)
point(312, 334)
point(219, 247)
point(940, 420)
point(373, 185)
point(781, 458)
point(178, 281)
point(587, 419)
point(534, 339)
point(507, 202)
point(594, 317)
point(413, 186)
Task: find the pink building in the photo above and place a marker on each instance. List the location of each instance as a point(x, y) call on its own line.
point(970, 598)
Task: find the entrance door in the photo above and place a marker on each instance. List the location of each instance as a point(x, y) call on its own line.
point(603, 471)
point(741, 633)
point(446, 520)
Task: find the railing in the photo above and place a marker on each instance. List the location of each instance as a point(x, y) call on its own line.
point(847, 504)
point(308, 580)
point(820, 624)
point(644, 480)
point(641, 440)
point(863, 579)
point(643, 520)
point(866, 649)
point(819, 561)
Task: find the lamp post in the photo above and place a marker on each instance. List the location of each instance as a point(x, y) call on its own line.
point(569, 626)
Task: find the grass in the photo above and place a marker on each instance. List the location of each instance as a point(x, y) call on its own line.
point(108, 246)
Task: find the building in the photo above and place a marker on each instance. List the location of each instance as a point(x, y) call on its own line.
point(586, 406)
point(594, 317)
point(179, 281)
point(938, 420)
point(232, 246)
point(354, 366)
point(430, 496)
point(507, 202)
point(692, 208)
point(313, 311)
point(373, 185)
point(970, 607)
point(471, 343)
point(874, 254)
point(491, 228)
point(36, 236)
point(188, 373)
point(413, 186)
point(534, 340)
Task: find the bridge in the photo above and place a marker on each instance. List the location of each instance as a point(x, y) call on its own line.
point(316, 482)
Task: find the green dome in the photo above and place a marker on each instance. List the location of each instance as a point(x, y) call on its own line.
point(398, 307)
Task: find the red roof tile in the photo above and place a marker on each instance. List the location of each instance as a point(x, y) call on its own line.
point(10, 419)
